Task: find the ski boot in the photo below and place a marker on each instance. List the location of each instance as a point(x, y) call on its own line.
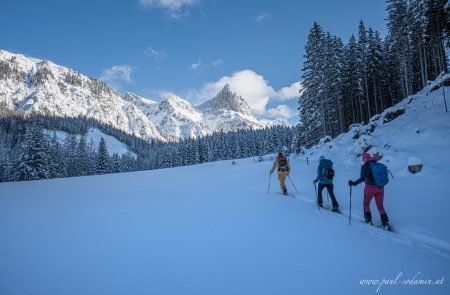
point(385, 222)
point(368, 218)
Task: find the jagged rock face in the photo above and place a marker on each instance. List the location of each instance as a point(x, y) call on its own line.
point(29, 85)
point(227, 100)
point(176, 118)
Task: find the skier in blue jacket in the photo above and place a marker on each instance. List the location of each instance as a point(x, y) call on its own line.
point(325, 175)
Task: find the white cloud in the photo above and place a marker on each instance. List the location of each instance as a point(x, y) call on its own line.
point(116, 75)
point(281, 112)
point(290, 92)
point(263, 16)
point(197, 65)
point(155, 54)
point(251, 86)
point(175, 8)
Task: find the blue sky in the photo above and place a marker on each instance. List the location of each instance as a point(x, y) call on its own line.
point(190, 48)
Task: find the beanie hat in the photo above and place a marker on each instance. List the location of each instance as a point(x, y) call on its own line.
point(321, 158)
point(366, 157)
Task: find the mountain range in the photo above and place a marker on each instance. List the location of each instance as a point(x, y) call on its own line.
point(33, 86)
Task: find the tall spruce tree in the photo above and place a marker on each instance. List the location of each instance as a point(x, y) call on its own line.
point(311, 102)
point(32, 161)
point(103, 162)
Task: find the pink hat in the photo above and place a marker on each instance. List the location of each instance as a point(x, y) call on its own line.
point(366, 157)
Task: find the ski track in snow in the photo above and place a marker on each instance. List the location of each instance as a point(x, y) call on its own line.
point(425, 241)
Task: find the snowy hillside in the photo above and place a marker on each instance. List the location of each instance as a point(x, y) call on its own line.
point(113, 145)
point(214, 229)
point(30, 85)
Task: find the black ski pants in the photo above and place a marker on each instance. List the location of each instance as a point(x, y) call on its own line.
point(329, 187)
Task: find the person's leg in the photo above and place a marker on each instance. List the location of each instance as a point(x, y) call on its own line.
point(379, 199)
point(282, 177)
point(368, 195)
point(319, 196)
point(332, 196)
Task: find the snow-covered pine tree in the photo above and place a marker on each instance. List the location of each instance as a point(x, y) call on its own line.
point(82, 156)
point(70, 154)
point(103, 162)
point(32, 161)
point(332, 85)
point(57, 165)
point(362, 71)
point(437, 24)
point(375, 71)
point(115, 163)
point(399, 28)
point(419, 46)
point(127, 162)
point(350, 87)
point(311, 102)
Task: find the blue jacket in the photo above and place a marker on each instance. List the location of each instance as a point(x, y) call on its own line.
point(325, 163)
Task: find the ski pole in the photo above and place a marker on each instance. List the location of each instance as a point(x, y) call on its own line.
point(292, 183)
point(270, 178)
point(317, 198)
point(350, 214)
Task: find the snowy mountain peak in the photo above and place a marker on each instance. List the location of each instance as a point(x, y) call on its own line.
point(229, 100)
point(137, 99)
point(227, 88)
point(176, 104)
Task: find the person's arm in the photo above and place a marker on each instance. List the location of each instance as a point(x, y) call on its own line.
point(288, 167)
point(319, 173)
point(362, 175)
point(274, 166)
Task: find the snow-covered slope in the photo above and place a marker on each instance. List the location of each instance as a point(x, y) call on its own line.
point(415, 130)
point(187, 231)
point(113, 145)
point(33, 86)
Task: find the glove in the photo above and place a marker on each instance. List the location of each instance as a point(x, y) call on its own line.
point(351, 183)
point(315, 180)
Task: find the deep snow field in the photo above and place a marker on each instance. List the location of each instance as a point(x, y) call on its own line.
point(214, 229)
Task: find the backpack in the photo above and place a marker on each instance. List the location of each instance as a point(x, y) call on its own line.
point(380, 174)
point(327, 171)
point(282, 164)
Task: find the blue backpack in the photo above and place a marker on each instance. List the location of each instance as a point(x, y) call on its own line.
point(380, 174)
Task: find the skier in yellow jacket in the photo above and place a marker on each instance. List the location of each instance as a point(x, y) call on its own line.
point(284, 168)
